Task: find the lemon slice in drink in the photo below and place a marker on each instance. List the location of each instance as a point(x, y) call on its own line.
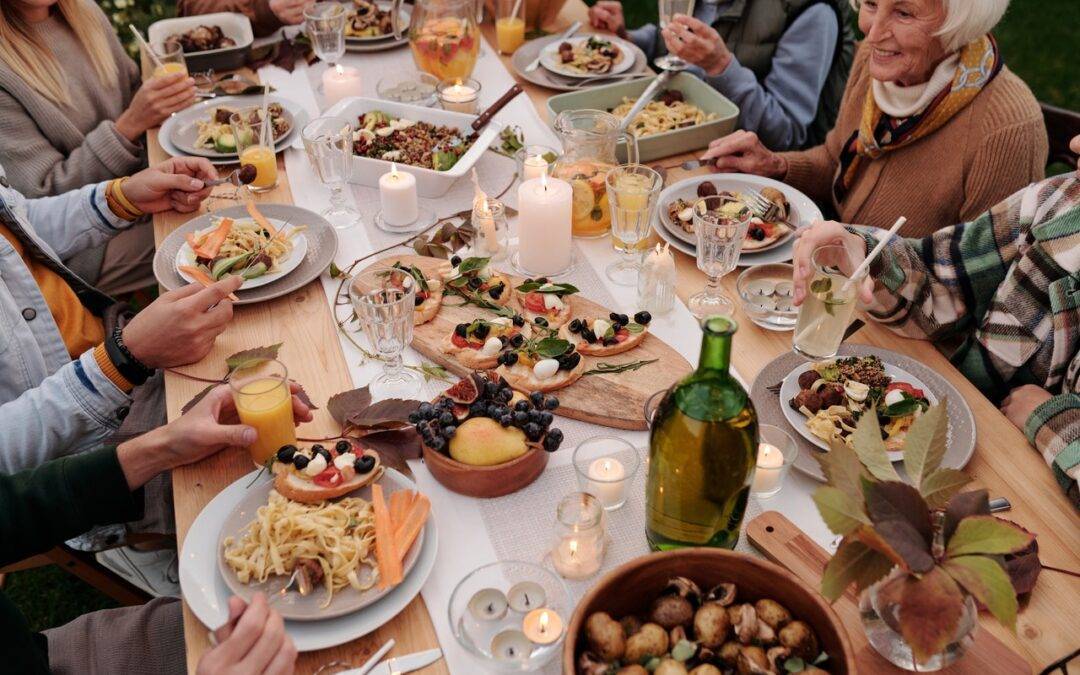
point(583, 199)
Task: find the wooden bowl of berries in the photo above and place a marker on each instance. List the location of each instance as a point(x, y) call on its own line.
point(480, 438)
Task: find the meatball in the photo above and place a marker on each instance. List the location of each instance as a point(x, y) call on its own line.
point(808, 399)
point(706, 189)
point(832, 394)
point(807, 379)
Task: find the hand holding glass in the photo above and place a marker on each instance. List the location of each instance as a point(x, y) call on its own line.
point(264, 401)
point(667, 11)
point(827, 308)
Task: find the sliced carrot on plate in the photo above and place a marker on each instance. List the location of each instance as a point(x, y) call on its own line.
point(399, 505)
point(385, 549)
point(409, 528)
point(259, 218)
point(202, 277)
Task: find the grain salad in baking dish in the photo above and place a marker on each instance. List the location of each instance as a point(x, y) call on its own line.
point(397, 139)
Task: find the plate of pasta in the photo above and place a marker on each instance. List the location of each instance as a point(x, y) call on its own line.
point(588, 56)
point(335, 544)
point(257, 248)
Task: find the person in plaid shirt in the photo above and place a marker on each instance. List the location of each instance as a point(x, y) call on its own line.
point(1003, 292)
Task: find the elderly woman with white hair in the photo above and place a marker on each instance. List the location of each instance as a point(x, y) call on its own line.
point(933, 126)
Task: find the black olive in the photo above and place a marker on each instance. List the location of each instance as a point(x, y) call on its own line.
point(481, 331)
point(643, 318)
point(417, 301)
point(588, 335)
point(286, 453)
point(540, 321)
point(756, 233)
point(455, 260)
point(575, 326)
point(501, 358)
point(541, 280)
point(320, 450)
point(343, 446)
point(572, 361)
point(300, 461)
point(533, 432)
point(511, 359)
point(497, 290)
point(518, 320)
point(461, 330)
point(517, 340)
point(607, 342)
point(614, 317)
point(475, 283)
point(364, 463)
point(623, 319)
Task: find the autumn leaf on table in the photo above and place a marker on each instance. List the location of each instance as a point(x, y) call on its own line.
point(344, 404)
point(1024, 566)
point(853, 562)
point(383, 426)
point(839, 510)
point(986, 535)
point(930, 607)
point(871, 449)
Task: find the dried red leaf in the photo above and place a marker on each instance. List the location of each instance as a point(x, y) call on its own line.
point(1024, 566)
point(930, 609)
point(975, 502)
point(342, 405)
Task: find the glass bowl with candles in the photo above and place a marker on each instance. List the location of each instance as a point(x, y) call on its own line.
point(511, 616)
point(765, 292)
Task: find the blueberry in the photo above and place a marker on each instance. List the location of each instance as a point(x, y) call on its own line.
point(475, 283)
point(511, 359)
point(286, 453)
point(461, 330)
point(546, 419)
point(481, 331)
point(553, 440)
point(537, 398)
point(364, 463)
point(643, 318)
point(551, 403)
point(494, 411)
point(490, 389)
point(504, 395)
point(518, 320)
point(300, 461)
point(420, 427)
point(446, 404)
point(449, 431)
point(414, 417)
point(521, 406)
point(534, 416)
point(455, 260)
point(477, 409)
point(517, 340)
point(533, 432)
point(521, 418)
point(438, 443)
point(575, 326)
point(541, 321)
point(446, 418)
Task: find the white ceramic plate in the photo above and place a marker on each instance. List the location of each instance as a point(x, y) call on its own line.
point(185, 256)
point(206, 594)
point(186, 119)
point(790, 387)
point(549, 57)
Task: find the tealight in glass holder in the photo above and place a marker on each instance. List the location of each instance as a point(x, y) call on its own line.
point(776, 453)
point(459, 95)
point(606, 466)
point(535, 160)
point(492, 232)
point(580, 541)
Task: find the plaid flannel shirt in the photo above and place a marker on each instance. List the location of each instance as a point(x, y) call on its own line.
point(1008, 284)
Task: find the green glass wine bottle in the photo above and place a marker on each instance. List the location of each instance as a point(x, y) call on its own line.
point(702, 452)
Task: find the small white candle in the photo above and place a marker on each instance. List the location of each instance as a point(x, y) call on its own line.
point(526, 596)
point(339, 82)
point(488, 604)
point(543, 626)
point(534, 166)
point(769, 473)
point(607, 481)
point(577, 557)
point(656, 281)
point(511, 645)
point(545, 242)
point(459, 98)
point(397, 196)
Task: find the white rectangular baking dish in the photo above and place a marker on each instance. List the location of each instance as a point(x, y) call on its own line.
point(233, 25)
point(429, 183)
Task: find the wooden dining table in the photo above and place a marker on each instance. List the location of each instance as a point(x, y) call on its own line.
point(1004, 463)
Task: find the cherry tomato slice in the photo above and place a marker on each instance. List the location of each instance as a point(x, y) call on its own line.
point(330, 477)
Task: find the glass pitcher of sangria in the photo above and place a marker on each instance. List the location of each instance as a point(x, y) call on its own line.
point(444, 36)
point(589, 138)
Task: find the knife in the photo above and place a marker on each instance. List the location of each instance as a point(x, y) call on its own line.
point(405, 664)
point(646, 96)
point(567, 34)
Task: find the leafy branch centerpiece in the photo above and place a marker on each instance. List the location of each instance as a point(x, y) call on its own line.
point(921, 552)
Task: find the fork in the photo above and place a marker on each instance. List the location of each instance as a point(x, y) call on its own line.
point(764, 208)
point(298, 582)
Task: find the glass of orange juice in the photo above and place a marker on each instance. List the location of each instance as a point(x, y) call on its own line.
point(255, 149)
point(264, 401)
point(169, 60)
point(509, 25)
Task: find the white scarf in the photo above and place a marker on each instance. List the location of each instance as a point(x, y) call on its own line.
point(899, 101)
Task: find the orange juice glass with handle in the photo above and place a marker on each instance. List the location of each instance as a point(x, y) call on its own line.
point(247, 128)
point(264, 401)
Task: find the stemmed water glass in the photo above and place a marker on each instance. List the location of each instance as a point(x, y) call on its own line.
point(385, 312)
point(633, 190)
point(668, 10)
point(325, 26)
point(329, 146)
point(719, 242)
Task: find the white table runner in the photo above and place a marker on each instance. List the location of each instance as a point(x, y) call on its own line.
point(519, 526)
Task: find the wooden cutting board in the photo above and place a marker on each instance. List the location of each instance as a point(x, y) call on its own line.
point(612, 400)
point(785, 544)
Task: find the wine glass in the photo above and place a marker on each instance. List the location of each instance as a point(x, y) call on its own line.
point(720, 230)
point(668, 10)
point(632, 191)
point(384, 307)
point(325, 26)
point(329, 146)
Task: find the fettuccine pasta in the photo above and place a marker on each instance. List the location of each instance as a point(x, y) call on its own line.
point(658, 117)
point(339, 536)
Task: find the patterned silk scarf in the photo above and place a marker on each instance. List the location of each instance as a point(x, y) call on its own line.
point(879, 133)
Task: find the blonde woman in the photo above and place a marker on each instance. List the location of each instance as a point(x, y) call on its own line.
point(72, 112)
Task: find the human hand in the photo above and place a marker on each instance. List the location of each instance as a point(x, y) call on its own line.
point(1074, 145)
point(607, 15)
point(178, 183)
point(290, 12)
point(824, 233)
point(154, 101)
point(180, 326)
point(1022, 401)
point(698, 43)
point(742, 152)
point(252, 641)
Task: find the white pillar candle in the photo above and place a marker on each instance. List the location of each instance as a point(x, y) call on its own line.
point(534, 166)
point(607, 481)
point(339, 82)
point(397, 196)
point(769, 473)
point(542, 626)
point(544, 225)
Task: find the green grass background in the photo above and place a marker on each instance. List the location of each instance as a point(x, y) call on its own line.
point(1038, 39)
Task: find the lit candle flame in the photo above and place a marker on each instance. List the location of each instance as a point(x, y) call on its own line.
point(607, 466)
point(543, 623)
point(543, 181)
point(338, 69)
point(393, 170)
point(573, 549)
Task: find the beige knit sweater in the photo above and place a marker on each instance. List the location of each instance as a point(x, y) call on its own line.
point(989, 150)
point(48, 149)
